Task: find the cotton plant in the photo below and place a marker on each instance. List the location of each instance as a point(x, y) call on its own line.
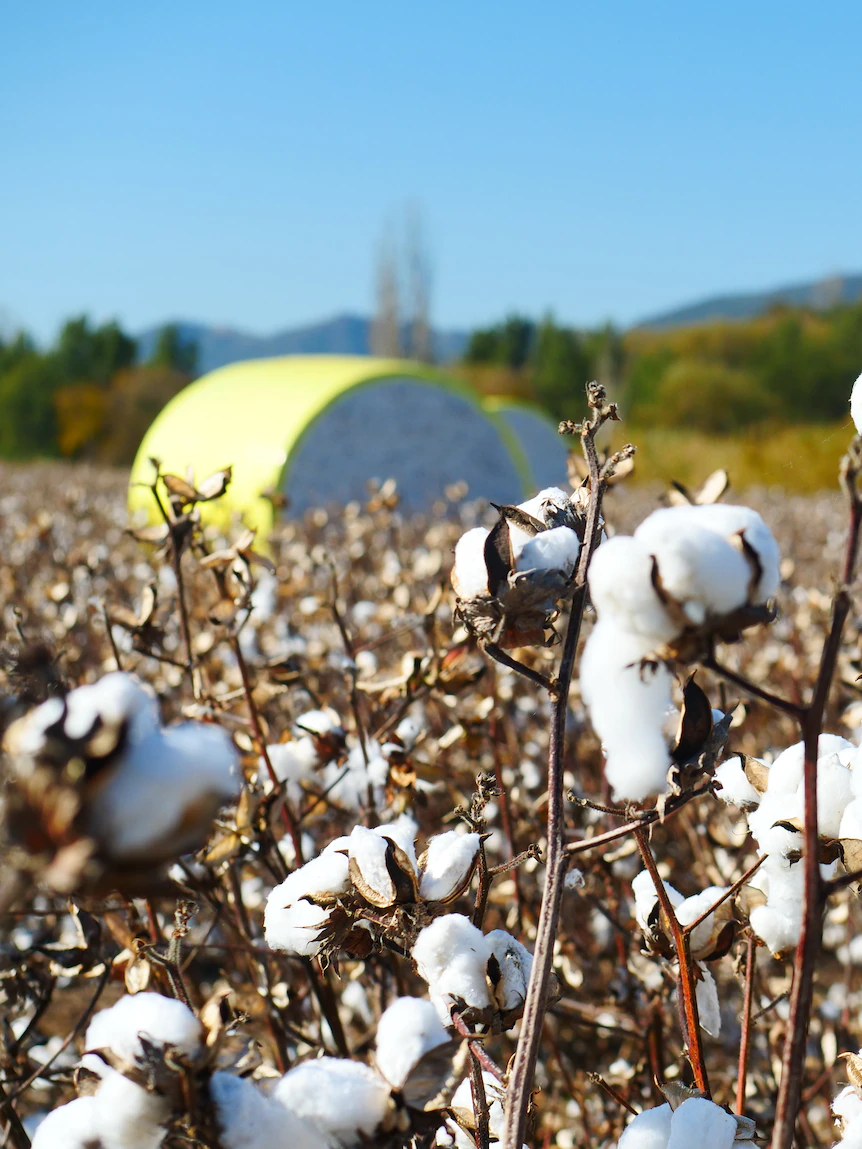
point(510, 580)
point(99, 784)
point(367, 876)
point(688, 576)
point(773, 799)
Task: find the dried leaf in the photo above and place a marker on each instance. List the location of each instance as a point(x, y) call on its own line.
point(180, 488)
point(756, 772)
point(695, 723)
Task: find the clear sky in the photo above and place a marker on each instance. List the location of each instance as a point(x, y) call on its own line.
point(235, 162)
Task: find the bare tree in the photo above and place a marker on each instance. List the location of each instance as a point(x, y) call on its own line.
point(386, 326)
point(419, 336)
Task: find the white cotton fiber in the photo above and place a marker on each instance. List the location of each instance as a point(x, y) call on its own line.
point(447, 864)
point(644, 891)
point(248, 1119)
point(834, 792)
point(324, 877)
point(698, 568)
point(463, 1099)
point(778, 924)
point(293, 763)
point(344, 1100)
point(452, 955)
point(469, 574)
point(408, 1030)
point(736, 790)
point(786, 771)
point(621, 589)
point(649, 1130)
point(847, 1110)
point(368, 853)
point(691, 909)
point(764, 823)
point(701, 1123)
point(856, 405)
point(553, 550)
point(403, 833)
point(515, 962)
point(323, 722)
point(299, 928)
point(628, 704)
point(69, 1126)
point(851, 821)
point(127, 1116)
point(162, 1020)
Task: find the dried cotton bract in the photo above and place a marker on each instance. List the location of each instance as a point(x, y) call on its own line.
point(95, 776)
point(689, 574)
point(510, 580)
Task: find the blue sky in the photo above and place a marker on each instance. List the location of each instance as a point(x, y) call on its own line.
point(236, 163)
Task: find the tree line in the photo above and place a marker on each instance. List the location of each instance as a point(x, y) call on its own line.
point(787, 366)
point(89, 395)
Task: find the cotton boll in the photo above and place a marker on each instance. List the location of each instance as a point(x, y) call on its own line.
point(702, 1123)
point(323, 722)
point(300, 929)
point(162, 1020)
point(452, 955)
point(127, 1116)
point(294, 763)
point(70, 1126)
point(691, 909)
point(514, 962)
point(344, 1100)
point(834, 792)
point(736, 790)
point(765, 823)
point(847, 1111)
point(621, 588)
point(698, 568)
point(379, 869)
point(114, 699)
point(248, 1119)
point(786, 771)
point(649, 1130)
point(350, 781)
point(856, 405)
point(469, 574)
point(778, 925)
point(447, 865)
point(646, 898)
point(325, 877)
point(708, 1008)
point(146, 800)
point(628, 703)
point(851, 821)
point(408, 1030)
point(463, 1099)
point(553, 550)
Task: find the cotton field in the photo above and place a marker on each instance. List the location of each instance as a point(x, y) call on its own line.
point(529, 825)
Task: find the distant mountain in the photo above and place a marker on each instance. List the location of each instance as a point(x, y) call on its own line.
point(820, 294)
point(343, 335)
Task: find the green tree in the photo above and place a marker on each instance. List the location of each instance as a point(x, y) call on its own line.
point(28, 423)
point(172, 352)
point(561, 367)
point(92, 355)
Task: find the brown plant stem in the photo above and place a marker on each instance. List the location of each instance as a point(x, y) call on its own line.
point(535, 1005)
point(787, 1106)
point(687, 989)
point(745, 1039)
point(480, 1103)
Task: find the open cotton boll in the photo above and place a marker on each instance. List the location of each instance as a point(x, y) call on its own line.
point(702, 1123)
point(248, 1119)
point(368, 866)
point(728, 521)
point(452, 955)
point(554, 550)
point(349, 782)
point(690, 910)
point(834, 792)
point(293, 763)
point(408, 1030)
point(786, 771)
point(621, 588)
point(162, 1020)
point(324, 877)
point(778, 923)
point(698, 568)
point(300, 928)
point(115, 698)
point(708, 1008)
point(649, 1130)
point(515, 962)
point(447, 865)
point(628, 704)
point(646, 898)
point(323, 722)
point(765, 823)
point(851, 821)
point(735, 789)
point(847, 1111)
point(69, 1126)
point(463, 1099)
point(470, 574)
point(128, 1116)
point(161, 778)
point(344, 1100)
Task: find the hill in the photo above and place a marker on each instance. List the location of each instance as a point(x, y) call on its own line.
point(819, 294)
point(342, 335)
